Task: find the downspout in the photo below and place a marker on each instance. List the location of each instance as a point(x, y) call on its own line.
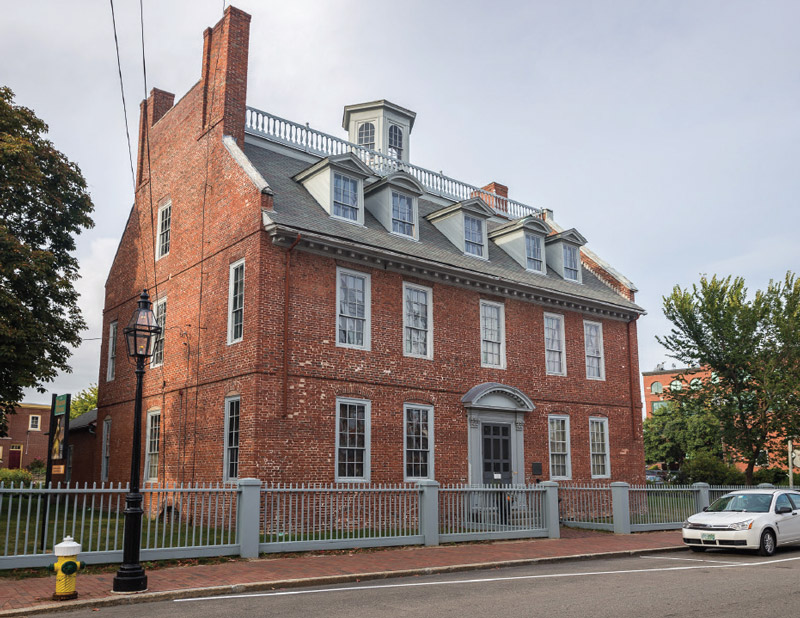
point(287, 264)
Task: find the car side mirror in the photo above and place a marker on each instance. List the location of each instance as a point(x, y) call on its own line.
point(782, 510)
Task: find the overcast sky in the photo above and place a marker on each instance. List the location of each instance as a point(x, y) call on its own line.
point(666, 132)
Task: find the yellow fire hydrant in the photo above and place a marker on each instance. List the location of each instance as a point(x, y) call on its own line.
point(66, 568)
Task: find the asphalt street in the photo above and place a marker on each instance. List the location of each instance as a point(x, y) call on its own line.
point(667, 584)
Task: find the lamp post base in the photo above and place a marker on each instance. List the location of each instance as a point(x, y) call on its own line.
point(130, 578)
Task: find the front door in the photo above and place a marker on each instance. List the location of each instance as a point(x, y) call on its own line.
point(496, 454)
point(15, 456)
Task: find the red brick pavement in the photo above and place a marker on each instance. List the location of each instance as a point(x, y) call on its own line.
point(37, 591)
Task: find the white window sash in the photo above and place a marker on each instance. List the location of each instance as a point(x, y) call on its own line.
point(550, 349)
point(111, 366)
point(161, 231)
point(480, 243)
point(367, 439)
point(603, 423)
point(359, 211)
point(106, 454)
point(151, 453)
point(227, 447)
point(160, 311)
point(572, 262)
point(408, 326)
point(532, 240)
point(232, 310)
point(38, 422)
point(430, 450)
point(595, 351)
point(412, 214)
point(367, 319)
point(566, 453)
point(501, 335)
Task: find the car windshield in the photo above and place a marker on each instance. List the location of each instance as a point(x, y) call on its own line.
point(750, 503)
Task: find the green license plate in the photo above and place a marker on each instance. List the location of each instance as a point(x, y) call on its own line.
point(707, 537)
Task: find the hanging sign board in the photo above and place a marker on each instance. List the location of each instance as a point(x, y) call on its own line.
point(62, 403)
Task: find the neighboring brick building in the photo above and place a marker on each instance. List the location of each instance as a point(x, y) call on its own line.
point(333, 312)
point(659, 381)
point(27, 436)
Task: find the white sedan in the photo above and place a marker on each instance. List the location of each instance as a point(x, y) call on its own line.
point(759, 519)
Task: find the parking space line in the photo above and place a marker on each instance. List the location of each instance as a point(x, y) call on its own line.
point(689, 559)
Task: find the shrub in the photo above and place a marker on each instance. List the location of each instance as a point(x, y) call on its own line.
point(37, 466)
point(775, 476)
point(707, 468)
point(15, 476)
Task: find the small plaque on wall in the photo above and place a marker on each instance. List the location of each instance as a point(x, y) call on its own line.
point(58, 469)
point(536, 468)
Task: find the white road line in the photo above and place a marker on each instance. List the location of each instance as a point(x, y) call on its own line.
point(688, 559)
point(481, 581)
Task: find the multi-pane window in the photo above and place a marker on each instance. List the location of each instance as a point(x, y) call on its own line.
point(492, 335)
point(366, 135)
point(352, 301)
point(657, 405)
point(656, 388)
point(352, 440)
point(419, 442)
point(164, 223)
point(533, 252)
point(106, 449)
point(236, 302)
point(152, 444)
point(345, 197)
point(232, 407)
point(554, 344)
point(111, 368)
point(598, 447)
point(417, 320)
point(473, 235)
point(158, 346)
point(558, 430)
point(402, 214)
point(571, 262)
point(675, 385)
point(34, 422)
point(395, 141)
point(593, 342)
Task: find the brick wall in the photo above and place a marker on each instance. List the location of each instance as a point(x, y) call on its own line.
point(33, 443)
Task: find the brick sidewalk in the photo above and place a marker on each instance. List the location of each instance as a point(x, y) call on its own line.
point(36, 592)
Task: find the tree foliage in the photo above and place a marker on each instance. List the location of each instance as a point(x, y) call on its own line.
point(84, 401)
point(752, 347)
point(676, 433)
point(44, 204)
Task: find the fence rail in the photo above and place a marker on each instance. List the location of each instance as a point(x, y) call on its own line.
point(303, 137)
point(662, 507)
point(586, 506)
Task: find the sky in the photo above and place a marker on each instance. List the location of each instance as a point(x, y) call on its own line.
point(666, 132)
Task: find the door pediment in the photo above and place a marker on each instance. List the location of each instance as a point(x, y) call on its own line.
point(496, 396)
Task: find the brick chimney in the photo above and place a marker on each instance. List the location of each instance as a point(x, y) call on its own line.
point(224, 77)
point(499, 203)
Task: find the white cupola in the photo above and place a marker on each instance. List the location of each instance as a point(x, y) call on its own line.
point(380, 125)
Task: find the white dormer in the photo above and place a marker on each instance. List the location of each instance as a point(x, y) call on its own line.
point(524, 240)
point(464, 225)
point(380, 125)
point(393, 201)
point(337, 183)
point(564, 254)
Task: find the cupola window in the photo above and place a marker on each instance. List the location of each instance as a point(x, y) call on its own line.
point(395, 142)
point(366, 135)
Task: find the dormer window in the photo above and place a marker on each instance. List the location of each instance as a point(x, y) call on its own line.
point(366, 135)
point(395, 141)
point(345, 197)
point(533, 252)
point(473, 236)
point(571, 262)
point(402, 214)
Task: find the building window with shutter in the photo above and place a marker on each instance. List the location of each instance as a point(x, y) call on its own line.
point(593, 342)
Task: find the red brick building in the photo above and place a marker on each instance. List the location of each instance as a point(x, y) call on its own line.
point(27, 436)
point(658, 382)
point(333, 312)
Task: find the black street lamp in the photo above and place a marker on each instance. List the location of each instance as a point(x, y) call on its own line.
point(140, 335)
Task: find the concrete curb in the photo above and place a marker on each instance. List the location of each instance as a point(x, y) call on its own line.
point(211, 591)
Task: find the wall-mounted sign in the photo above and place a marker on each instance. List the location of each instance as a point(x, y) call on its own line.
point(59, 469)
point(61, 405)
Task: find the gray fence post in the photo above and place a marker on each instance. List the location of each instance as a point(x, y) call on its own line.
point(620, 507)
point(551, 509)
point(248, 517)
point(429, 511)
point(701, 496)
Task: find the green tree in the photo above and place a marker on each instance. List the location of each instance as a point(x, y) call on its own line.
point(44, 204)
point(676, 433)
point(84, 401)
point(751, 347)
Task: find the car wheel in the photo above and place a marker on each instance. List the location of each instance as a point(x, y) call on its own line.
point(767, 547)
point(697, 549)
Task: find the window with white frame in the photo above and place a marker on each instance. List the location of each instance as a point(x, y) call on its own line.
point(554, 344)
point(106, 453)
point(493, 336)
point(558, 432)
point(395, 141)
point(34, 422)
point(533, 252)
point(571, 262)
point(417, 320)
point(402, 214)
point(676, 385)
point(163, 234)
point(593, 343)
point(353, 309)
point(366, 135)
point(236, 302)
point(473, 236)
point(418, 438)
point(111, 368)
point(656, 388)
point(345, 197)
point(160, 311)
point(152, 445)
point(598, 447)
point(232, 409)
point(658, 405)
point(352, 440)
